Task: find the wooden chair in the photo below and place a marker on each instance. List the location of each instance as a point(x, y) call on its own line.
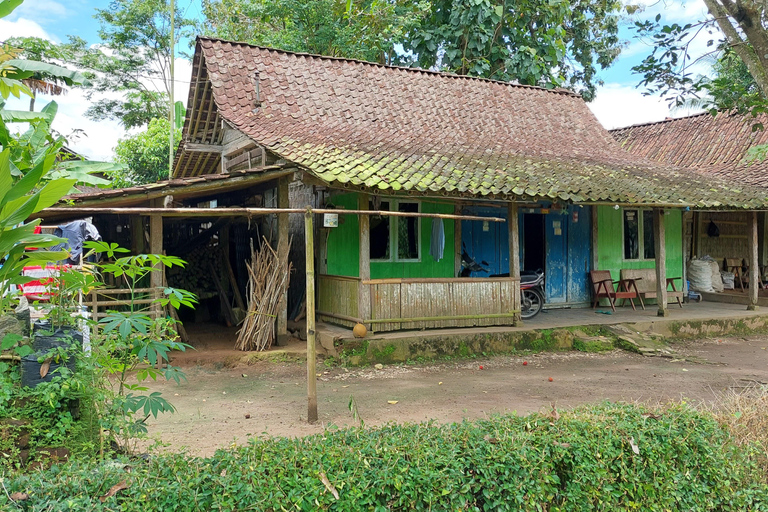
point(734, 265)
point(602, 288)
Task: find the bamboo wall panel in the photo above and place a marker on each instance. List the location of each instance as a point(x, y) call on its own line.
point(336, 294)
point(385, 301)
point(452, 298)
point(733, 241)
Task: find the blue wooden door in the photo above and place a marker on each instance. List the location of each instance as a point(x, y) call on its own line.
point(486, 242)
point(556, 268)
point(579, 253)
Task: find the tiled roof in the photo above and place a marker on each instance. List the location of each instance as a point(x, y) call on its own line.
point(398, 129)
point(715, 145)
point(178, 187)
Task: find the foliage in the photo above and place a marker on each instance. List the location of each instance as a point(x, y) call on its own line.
point(536, 42)
point(367, 30)
point(607, 457)
point(133, 344)
point(133, 60)
point(737, 36)
point(145, 155)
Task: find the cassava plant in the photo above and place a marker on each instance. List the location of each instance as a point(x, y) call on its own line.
point(133, 345)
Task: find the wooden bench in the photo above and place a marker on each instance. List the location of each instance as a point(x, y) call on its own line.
point(644, 281)
point(602, 288)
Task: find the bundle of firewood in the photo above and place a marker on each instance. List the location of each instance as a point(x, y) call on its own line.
point(196, 275)
point(267, 282)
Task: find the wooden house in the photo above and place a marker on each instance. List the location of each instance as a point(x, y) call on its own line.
point(356, 136)
point(714, 146)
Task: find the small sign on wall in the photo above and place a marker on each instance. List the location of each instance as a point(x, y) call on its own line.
point(330, 220)
point(557, 227)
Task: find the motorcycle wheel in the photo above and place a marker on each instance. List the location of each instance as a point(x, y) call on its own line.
point(531, 304)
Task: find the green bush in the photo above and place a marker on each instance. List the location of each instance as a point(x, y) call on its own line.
point(584, 460)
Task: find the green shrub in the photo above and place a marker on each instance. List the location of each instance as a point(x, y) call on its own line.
point(584, 460)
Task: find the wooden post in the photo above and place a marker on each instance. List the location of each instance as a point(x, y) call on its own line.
point(595, 240)
point(457, 242)
point(661, 260)
point(513, 227)
point(310, 265)
point(364, 290)
point(156, 247)
point(754, 264)
point(282, 254)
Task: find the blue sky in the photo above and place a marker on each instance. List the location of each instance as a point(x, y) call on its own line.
point(618, 103)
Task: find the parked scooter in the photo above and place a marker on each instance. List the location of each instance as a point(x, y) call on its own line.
point(532, 293)
point(531, 284)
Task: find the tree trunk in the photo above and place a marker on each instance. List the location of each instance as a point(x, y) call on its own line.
point(754, 50)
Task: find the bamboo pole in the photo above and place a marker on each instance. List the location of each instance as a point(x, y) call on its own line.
point(246, 212)
point(310, 262)
point(754, 266)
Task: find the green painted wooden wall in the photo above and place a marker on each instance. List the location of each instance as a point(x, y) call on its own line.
point(344, 246)
point(610, 250)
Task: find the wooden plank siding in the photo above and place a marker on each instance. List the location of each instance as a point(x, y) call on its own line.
point(431, 299)
point(337, 295)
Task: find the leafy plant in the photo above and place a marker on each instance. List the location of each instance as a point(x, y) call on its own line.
point(133, 343)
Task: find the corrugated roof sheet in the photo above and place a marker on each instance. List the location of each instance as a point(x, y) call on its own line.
point(715, 145)
point(398, 129)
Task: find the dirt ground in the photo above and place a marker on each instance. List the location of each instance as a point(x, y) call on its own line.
point(212, 405)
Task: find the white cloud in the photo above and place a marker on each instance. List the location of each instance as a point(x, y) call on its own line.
point(44, 10)
point(617, 106)
point(23, 27)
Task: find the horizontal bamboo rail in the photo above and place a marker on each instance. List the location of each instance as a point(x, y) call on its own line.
point(247, 212)
point(435, 280)
point(438, 318)
point(340, 317)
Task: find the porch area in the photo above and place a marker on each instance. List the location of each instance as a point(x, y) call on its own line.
point(550, 330)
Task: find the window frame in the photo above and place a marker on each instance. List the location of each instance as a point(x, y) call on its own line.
point(640, 234)
point(394, 227)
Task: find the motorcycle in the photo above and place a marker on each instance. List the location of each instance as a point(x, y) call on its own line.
point(531, 284)
point(532, 293)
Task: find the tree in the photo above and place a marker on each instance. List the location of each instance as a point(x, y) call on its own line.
point(539, 42)
point(145, 155)
point(737, 33)
point(553, 43)
point(134, 59)
point(367, 30)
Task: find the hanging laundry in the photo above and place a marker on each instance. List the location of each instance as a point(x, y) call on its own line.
point(437, 244)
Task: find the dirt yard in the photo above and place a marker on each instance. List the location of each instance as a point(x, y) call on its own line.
point(219, 405)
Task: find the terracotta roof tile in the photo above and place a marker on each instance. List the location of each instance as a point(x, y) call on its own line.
point(384, 127)
point(714, 145)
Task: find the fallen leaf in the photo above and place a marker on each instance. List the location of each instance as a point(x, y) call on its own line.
point(685, 370)
point(328, 485)
point(319, 374)
point(652, 416)
point(391, 402)
point(490, 439)
point(635, 448)
point(564, 445)
point(114, 490)
point(45, 367)
point(345, 386)
point(439, 383)
point(554, 414)
point(19, 496)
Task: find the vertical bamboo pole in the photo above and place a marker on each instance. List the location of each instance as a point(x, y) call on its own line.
point(661, 260)
point(513, 226)
point(364, 290)
point(754, 265)
point(457, 242)
point(171, 114)
point(282, 254)
point(310, 266)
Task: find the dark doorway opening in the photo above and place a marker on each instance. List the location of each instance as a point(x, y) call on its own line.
point(533, 242)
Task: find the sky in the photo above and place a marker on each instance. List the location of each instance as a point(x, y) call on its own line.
point(618, 103)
